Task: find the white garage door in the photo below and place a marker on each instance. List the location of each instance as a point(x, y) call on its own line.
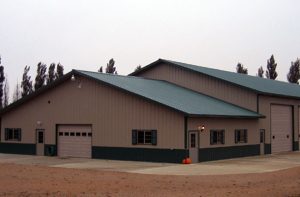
point(281, 128)
point(74, 141)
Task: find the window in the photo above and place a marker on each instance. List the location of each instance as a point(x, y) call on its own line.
point(66, 133)
point(60, 133)
point(90, 134)
point(83, 134)
point(193, 140)
point(13, 134)
point(217, 137)
point(144, 137)
point(72, 134)
point(77, 133)
point(40, 137)
point(241, 136)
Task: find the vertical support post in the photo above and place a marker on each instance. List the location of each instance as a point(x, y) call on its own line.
point(186, 135)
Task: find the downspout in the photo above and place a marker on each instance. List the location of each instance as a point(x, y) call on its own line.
point(257, 103)
point(185, 135)
point(0, 129)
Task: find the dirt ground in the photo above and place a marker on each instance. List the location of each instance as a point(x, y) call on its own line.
point(33, 180)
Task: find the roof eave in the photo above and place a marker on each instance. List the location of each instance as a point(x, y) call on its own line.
point(225, 116)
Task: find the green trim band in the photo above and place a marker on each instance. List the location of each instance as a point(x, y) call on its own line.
point(296, 146)
point(18, 148)
point(218, 153)
point(139, 154)
point(267, 149)
point(50, 150)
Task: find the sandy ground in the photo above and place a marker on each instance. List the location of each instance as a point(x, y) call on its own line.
point(34, 180)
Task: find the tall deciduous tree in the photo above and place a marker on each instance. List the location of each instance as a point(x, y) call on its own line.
point(17, 93)
point(139, 67)
point(59, 71)
point(40, 76)
point(271, 69)
point(260, 72)
point(6, 92)
point(26, 84)
point(51, 73)
point(294, 74)
point(241, 69)
point(110, 67)
point(2, 78)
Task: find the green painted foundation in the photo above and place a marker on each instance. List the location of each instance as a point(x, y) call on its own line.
point(18, 148)
point(267, 149)
point(296, 146)
point(218, 153)
point(139, 154)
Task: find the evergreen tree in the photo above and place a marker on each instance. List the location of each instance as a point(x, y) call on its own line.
point(110, 67)
point(6, 93)
point(40, 76)
point(26, 84)
point(51, 73)
point(17, 93)
point(241, 69)
point(59, 71)
point(139, 67)
point(100, 70)
point(271, 69)
point(294, 74)
point(260, 72)
point(2, 78)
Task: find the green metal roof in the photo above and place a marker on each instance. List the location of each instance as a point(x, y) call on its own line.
point(173, 96)
point(260, 85)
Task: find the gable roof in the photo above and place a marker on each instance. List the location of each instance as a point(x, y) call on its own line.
point(178, 98)
point(257, 84)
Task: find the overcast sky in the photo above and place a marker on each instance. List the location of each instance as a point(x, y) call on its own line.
point(86, 34)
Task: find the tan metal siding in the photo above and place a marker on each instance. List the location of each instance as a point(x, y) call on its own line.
point(204, 84)
point(229, 125)
point(281, 128)
point(111, 112)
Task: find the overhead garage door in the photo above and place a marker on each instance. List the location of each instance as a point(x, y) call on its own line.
point(281, 128)
point(74, 141)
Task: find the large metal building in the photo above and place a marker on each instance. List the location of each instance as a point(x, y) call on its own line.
point(164, 112)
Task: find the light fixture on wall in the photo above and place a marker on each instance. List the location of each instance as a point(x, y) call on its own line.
point(201, 128)
point(73, 78)
point(39, 123)
point(78, 81)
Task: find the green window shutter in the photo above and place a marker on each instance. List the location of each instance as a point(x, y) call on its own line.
point(236, 136)
point(154, 137)
point(246, 136)
point(20, 134)
point(6, 134)
point(211, 138)
point(134, 137)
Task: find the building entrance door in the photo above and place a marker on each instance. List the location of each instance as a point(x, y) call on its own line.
point(194, 146)
point(40, 141)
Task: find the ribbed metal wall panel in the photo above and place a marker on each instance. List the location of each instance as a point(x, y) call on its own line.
point(204, 84)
